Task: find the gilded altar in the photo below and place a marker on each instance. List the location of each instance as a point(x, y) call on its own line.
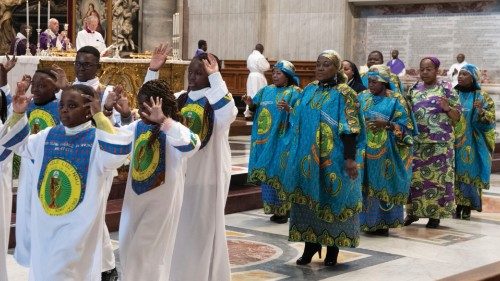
point(127, 72)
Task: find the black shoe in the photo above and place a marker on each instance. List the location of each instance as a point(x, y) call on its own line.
point(409, 220)
point(110, 275)
point(309, 250)
point(379, 232)
point(280, 219)
point(466, 213)
point(458, 211)
point(332, 253)
point(273, 218)
point(433, 223)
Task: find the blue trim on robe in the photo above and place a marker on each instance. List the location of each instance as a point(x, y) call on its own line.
point(222, 102)
point(188, 147)
point(5, 154)
point(20, 136)
point(117, 149)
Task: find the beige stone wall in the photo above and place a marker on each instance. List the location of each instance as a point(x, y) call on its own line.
point(288, 29)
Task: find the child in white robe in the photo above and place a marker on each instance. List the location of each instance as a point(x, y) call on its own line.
point(200, 251)
point(71, 163)
point(155, 186)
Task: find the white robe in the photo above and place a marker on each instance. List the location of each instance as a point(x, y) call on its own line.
point(257, 64)
point(200, 251)
point(94, 39)
point(148, 223)
point(6, 156)
point(454, 78)
point(68, 246)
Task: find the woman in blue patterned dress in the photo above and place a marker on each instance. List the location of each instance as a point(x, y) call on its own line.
point(475, 141)
point(321, 176)
point(388, 154)
point(271, 106)
point(436, 109)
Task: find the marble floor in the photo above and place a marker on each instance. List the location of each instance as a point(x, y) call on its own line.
point(259, 249)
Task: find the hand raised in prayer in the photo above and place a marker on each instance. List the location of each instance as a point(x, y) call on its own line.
point(159, 56)
point(94, 104)
point(121, 104)
point(10, 63)
point(155, 112)
point(61, 79)
point(247, 100)
point(21, 100)
point(351, 168)
point(5, 68)
point(283, 105)
point(211, 66)
point(112, 97)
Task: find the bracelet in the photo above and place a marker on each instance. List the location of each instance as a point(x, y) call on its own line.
point(449, 109)
point(107, 109)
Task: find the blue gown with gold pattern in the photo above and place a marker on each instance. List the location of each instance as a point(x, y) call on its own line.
point(388, 161)
point(325, 201)
point(267, 144)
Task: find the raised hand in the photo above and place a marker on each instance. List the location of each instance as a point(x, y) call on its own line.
point(10, 63)
point(121, 104)
point(155, 112)
point(247, 100)
point(94, 104)
point(377, 124)
point(159, 56)
point(111, 98)
point(21, 100)
point(61, 79)
point(211, 65)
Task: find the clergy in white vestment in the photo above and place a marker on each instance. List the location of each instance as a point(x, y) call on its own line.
point(455, 68)
point(90, 37)
point(257, 64)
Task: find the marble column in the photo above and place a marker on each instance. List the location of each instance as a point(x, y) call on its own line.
point(157, 22)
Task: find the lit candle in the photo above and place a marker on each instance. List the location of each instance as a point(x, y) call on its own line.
point(38, 14)
point(27, 13)
point(48, 11)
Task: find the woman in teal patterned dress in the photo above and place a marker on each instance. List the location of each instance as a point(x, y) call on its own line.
point(436, 109)
point(475, 141)
point(271, 106)
point(321, 176)
point(388, 154)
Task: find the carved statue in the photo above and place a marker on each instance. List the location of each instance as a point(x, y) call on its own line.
point(124, 11)
point(7, 32)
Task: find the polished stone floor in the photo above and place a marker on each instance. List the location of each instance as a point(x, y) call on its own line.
point(259, 249)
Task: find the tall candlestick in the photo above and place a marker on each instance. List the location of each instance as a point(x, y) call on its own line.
point(38, 14)
point(48, 12)
point(27, 13)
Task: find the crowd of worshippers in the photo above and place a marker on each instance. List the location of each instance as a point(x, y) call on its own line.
point(343, 155)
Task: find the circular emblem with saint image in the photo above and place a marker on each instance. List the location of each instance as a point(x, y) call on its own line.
point(146, 157)
point(61, 188)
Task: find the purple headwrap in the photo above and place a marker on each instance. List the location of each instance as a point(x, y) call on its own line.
point(435, 61)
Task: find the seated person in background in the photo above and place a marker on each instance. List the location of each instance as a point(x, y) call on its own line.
point(18, 45)
point(90, 37)
point(52, 38)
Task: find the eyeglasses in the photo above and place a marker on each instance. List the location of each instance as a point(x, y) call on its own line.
point(84, 65)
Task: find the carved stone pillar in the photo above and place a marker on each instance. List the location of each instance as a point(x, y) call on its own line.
point(157, 22)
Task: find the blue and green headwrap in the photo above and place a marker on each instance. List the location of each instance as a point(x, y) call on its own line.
point(474, 72)
point(289, 70)
point(380, 72)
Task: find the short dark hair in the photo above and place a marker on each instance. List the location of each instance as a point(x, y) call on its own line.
point(377, 52)
point(90, 50)
point(259, 47)
point(46, 71)
point(82, 89)
point(201, 43)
